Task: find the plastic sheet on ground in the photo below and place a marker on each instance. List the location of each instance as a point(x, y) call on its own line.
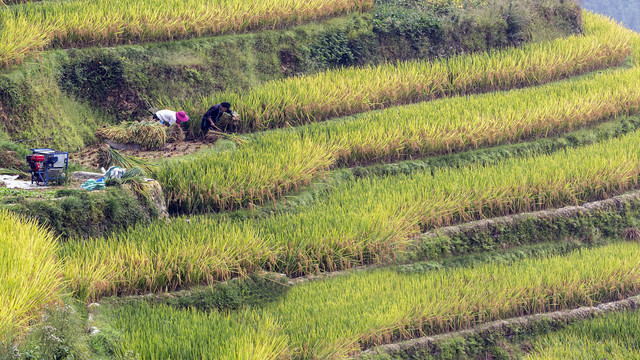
point(12, 182)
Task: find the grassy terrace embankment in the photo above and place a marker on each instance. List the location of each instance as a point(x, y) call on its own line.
point(30, 274)
point(31, 27)
point(278, 161)
point(335, 317)
point(366, 221)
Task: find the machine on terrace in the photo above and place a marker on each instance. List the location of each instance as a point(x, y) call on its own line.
point(47, 165)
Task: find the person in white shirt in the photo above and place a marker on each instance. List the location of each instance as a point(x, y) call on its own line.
point(169, 117)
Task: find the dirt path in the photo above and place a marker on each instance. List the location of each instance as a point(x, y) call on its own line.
point(88, 157)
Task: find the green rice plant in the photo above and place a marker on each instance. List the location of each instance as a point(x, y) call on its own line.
point(613, 336)
point(29, 273)
point(368, 220)
point(346, 91)
point(28, 28)
point(341, 316)
point(149, 135)
point(219, 336)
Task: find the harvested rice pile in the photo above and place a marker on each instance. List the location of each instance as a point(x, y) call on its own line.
point(149, 135)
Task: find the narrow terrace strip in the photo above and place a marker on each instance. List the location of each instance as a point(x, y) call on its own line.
point(501, 239)
point(486, 156)
point(342, 316)
point(362, 222)
point(31, 27)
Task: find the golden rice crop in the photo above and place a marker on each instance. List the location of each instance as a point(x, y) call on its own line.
point(149, 135)
point(30, 27)
point(340, 316)
point(346, 91)
point(30, 275)
point(270, 164)
point(461, 123)
point(359, 222)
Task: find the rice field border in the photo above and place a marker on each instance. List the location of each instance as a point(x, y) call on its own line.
point(608, 336)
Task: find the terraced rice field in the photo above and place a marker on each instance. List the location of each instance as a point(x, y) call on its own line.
point(219, 181)
point(363, 221)
point(346, 91)
point(372, 219)
point(337, 317)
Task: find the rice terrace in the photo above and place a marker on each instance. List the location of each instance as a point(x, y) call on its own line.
point(319, 179)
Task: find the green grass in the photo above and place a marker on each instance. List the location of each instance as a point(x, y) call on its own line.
point(21, 194)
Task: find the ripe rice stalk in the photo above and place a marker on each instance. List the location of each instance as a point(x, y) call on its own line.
point(30, 273)
point(233, 137)
point(129, 161)
point(175, 134)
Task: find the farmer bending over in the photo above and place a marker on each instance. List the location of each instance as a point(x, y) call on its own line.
point(169, 117)
point(212, 115)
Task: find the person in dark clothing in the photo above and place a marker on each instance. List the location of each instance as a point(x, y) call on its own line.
point(213, 114)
